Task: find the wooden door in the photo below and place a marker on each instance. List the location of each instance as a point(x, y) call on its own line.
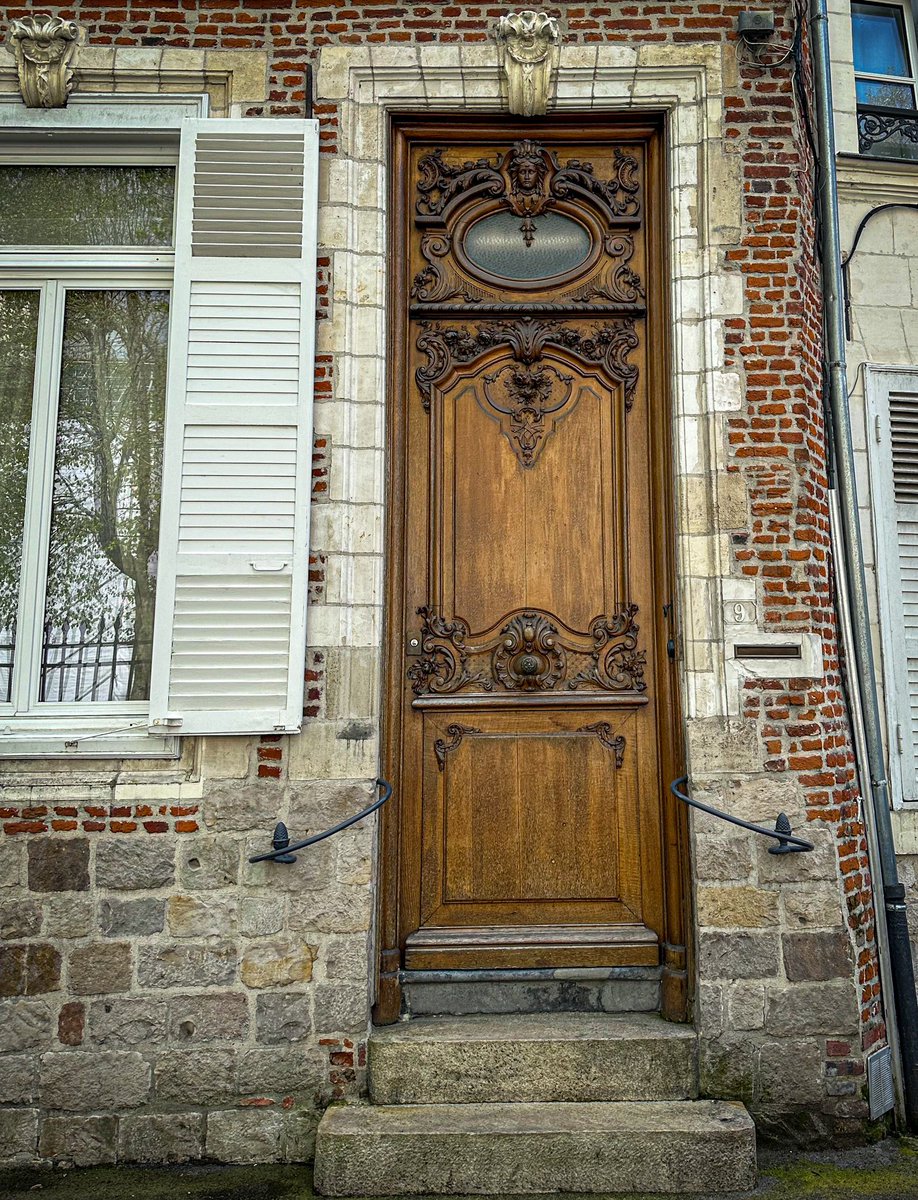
point(530, 718)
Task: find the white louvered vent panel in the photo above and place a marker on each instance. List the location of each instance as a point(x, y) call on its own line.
point(238, 490)
point(903, 419)
point(248, 196)
point(243, 344)
point(230, 646)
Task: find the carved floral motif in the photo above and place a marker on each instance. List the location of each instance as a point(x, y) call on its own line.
point(529, 651)
point(609, 345)
point(443, 667)
point(44, 48)
point(523, 397)
point(615, 662)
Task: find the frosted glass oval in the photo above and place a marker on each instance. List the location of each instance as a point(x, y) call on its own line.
point(497, 244)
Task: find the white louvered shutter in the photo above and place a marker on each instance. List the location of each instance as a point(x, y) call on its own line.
point(893, 405)
point(230, 637)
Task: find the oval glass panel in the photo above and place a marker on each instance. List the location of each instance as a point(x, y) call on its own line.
point(538, 248)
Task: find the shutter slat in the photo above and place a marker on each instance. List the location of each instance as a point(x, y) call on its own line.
point(230, 634)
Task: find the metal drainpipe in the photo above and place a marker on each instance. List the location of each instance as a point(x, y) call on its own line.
point(906, 1002)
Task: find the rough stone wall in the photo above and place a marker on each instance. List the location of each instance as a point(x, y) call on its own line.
point(165, 1000)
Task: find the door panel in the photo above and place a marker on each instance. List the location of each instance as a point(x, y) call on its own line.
point(530, 729)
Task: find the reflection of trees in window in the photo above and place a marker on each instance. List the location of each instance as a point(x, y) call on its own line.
point(86, 206)
point(885, 93)
point(106, 504)
point(18, 335)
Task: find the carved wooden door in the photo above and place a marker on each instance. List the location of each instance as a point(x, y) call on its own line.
point(530, 721)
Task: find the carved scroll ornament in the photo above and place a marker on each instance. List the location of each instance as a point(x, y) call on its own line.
point(530, 651)
point(455, 733)
point(44, 48)
point(530, 180)
point(608, 345)
point(528, 43)
point(611, 741)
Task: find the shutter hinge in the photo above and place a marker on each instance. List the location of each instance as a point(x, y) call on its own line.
point(900, 741)
point(167, 724)
point(876, 430)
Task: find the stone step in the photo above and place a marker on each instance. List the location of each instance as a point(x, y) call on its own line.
point(567, 989)
point(532, 1058)
point(511, 1149)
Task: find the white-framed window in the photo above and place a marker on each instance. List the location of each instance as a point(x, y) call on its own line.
point(892, 409)
point(156, 350)
point(885, 65)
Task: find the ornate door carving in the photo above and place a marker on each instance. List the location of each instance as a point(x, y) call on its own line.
point(530, 720)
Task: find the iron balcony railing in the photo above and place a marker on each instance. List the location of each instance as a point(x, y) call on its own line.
point(877, 124)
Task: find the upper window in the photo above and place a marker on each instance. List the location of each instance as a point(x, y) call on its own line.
point(884, 76)
point(86, 205)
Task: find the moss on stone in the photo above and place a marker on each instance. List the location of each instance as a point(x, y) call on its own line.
point(159, 1183)
point(886, 1171)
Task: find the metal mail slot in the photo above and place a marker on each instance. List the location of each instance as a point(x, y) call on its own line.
point(758, 650)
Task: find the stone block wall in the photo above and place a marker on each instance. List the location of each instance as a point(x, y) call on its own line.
point(161, 998)
point(164, 1000)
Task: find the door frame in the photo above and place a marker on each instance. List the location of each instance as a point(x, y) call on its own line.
point(458, 127)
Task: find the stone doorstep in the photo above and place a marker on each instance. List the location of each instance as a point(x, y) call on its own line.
point(533, 1058)
point(505, 1149)
point(573, 991)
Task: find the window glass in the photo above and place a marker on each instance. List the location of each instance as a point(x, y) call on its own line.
point(18, 337)
point(98, 624)
point(86, 206)
point(880, 45)
point(885, 93)
point(547, 245)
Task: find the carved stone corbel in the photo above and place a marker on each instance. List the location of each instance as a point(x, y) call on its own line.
point(44, 49)
point(529, 43)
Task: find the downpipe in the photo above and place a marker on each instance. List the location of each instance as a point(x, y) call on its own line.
point(900, 958)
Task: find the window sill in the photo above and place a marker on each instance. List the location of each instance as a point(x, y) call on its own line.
point(84, 743)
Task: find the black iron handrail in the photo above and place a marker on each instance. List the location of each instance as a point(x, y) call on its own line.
point(787, 843)
point(283, 849)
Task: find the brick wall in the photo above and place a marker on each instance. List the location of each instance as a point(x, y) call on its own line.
point(164, 999)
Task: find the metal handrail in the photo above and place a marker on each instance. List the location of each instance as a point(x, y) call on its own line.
point(283, 849)
point(787, 842)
